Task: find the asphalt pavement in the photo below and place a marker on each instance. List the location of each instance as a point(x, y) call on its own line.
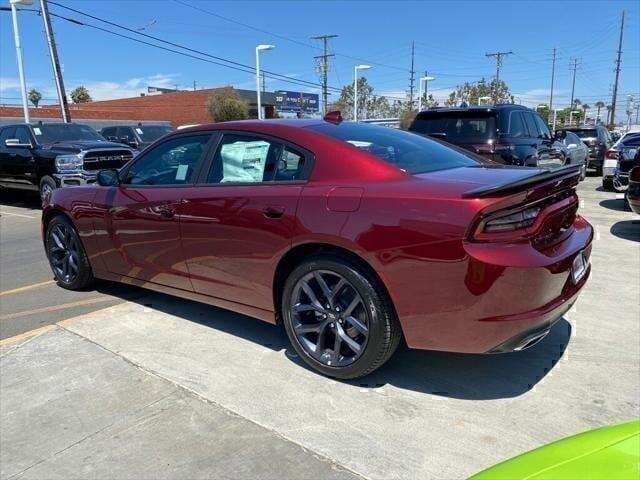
point(29, 298)
point(160, 387)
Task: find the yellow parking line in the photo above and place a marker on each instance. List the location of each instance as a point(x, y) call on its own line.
point(53, 308)
point(27, 287)
point(22, 337)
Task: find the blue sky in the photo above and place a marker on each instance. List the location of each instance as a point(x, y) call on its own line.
point(451, 39)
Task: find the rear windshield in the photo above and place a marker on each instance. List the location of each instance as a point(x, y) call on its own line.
point(411, 153)
point(457, 127)
point(585, 132)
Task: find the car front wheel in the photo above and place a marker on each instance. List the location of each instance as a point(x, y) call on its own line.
point(66, 255)
point(47, 186)
point(338, 318)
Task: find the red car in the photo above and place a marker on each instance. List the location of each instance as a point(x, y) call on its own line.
point(351, 235)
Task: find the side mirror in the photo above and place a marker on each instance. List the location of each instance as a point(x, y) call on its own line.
point(560, 135)
point(108, 178)
point(15, 143)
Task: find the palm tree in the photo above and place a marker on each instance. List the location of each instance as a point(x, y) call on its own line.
point(609, 107)
point(585, 107)
point(599, 104)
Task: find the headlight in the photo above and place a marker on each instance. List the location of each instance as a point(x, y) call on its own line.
point(65, 163)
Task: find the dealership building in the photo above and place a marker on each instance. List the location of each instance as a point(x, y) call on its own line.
point(161, 105)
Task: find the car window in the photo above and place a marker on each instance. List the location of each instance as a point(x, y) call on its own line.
point(126, 132)
point(516, 125)
point(7, 133)
point(531, 124)
point(243, 159)
point(543, 130)
point(457, 127)
point(22, 134)
point(173, 162)
point(409, 152)
point(109, 132)
point(290, 165)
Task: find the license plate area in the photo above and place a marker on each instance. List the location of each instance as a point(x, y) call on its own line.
point(579, 267)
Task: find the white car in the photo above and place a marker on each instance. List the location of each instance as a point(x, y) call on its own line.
point(612, 156)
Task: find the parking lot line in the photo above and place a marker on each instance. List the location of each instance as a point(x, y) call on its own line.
point(53, 308)
point(3, 212)
point(27, 287)
point(22, 337)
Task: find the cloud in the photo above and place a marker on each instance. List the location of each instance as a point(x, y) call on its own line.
point(9, 84)
point(132, 87)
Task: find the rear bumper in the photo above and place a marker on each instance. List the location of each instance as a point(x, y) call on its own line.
point(499, 299)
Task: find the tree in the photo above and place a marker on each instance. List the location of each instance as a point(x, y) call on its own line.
point(585, 107)
point(225, 104)
point(369, 104)
point(80, 95)
point(35, 96)
point(599, 104)
point(429, 101)
point(470, 93)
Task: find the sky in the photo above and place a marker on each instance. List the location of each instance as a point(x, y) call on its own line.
point(451, 40)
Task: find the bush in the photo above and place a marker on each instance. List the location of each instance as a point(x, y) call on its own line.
point(224, 104)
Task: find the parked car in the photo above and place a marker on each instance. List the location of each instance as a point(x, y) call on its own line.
point(45, 156)
point(611, 452)
point(612, 156)
point(574, 151)
point(136, 136)
point(632, 195)
point(598, 140)
point(351, 235)
point(508, 134)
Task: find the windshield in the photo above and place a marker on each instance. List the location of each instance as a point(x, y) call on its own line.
point(457, 127)
point(412, 153)
point(61, 132)
point(586, 133)
point(149, 133)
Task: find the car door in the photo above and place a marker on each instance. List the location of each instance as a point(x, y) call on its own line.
point(140, 231)
point(548, 156)
point(5, 134)
point(238, 222)
point(126, 136)
point(18, 161)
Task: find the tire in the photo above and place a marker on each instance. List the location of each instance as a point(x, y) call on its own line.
point(607, 184)
point(314, 330)
point(67, 256)
point(47, 186)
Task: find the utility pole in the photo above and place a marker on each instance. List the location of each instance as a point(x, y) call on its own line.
point(16, 38)
point(553, 74)
point(615, 84)
point(194, 85)
point(573, 84)
point(411, 76)
point(498, 56)
point(55, 62)
point(323, 67)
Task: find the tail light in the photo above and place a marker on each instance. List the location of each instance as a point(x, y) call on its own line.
point(611, 154)
point(539, 222)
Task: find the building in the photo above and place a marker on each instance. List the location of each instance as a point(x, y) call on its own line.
point(182, 107)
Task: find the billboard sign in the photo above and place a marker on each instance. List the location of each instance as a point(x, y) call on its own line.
point(297, 101)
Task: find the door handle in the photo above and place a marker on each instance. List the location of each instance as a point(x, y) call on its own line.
point(273, 212)
point(167, 212)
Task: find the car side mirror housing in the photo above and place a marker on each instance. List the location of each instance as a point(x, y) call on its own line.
point(108, 178)
point(15, 143)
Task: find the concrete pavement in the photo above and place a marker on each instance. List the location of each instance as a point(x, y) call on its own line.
point(128, 391)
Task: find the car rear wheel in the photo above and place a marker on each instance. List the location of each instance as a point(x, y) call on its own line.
point(339, 319)
point(66, 255)
point(47, 186)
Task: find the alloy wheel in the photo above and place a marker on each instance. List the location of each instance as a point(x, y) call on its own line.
point(64, 253)
point(330, 319)
point(45, 191)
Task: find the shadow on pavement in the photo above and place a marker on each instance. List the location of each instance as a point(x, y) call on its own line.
point(463, 376)
point(616, 204)
point(20, 198)
point(627, 230)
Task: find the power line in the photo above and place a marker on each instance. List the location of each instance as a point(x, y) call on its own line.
point(228, 63)
point(498, 56)
point(323, 67)
point(615, 84)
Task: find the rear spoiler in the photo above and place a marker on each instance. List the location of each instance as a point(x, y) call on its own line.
point(560, 174)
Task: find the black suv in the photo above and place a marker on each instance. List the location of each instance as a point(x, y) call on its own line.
point(45, 156)
point(136, 136)
point(505, 133)
point(598, 141)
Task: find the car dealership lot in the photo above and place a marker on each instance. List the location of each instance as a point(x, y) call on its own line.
point(158, 386)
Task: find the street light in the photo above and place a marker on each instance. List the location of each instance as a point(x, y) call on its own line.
point(16, 37)
point(355, 89)
point(425, 80)
point(259, 48)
